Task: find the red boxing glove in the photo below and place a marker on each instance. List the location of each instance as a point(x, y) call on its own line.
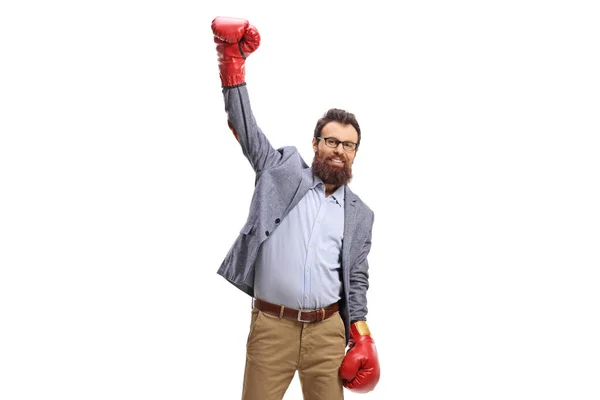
point(360, 368)
point(236, 39)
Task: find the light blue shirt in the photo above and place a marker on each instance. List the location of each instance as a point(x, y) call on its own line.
point(299, 265)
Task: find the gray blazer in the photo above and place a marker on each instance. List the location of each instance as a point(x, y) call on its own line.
point(282, 179)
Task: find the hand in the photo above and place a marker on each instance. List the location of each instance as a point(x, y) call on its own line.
point(236, 39)
point(360, 368)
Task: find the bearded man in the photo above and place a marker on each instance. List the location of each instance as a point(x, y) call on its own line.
point(302, 253)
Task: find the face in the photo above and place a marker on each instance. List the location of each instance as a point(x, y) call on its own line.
point(334, 166)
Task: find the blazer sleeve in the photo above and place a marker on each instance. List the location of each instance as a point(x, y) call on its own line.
point(359, 280)
point(255, 145)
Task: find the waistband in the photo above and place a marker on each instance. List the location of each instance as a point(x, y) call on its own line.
point(293, 314)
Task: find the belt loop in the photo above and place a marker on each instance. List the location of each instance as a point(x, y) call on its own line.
point(281, 312)
point(323, 317)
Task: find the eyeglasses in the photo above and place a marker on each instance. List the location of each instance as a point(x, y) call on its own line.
point(333, 143)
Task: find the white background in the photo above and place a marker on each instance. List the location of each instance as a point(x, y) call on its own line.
point(122, 189)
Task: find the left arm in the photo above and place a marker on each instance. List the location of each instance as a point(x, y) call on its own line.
point(360, 368)
point(359, 281)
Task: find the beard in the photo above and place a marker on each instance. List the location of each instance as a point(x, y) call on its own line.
point(336, 175)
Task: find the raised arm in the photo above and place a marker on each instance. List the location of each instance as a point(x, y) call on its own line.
point(236, 39)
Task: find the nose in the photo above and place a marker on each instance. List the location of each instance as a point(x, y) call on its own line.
point(339, 154)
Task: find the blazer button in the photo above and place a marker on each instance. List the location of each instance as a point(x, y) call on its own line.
point(267, 233)
point(277, 221)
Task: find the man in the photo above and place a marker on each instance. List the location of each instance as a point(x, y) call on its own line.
point(302, 254)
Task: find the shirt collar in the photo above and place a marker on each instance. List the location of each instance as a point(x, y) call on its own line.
point(338, 195)
point(315, 180)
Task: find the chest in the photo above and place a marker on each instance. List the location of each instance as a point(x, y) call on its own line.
point(315, 219)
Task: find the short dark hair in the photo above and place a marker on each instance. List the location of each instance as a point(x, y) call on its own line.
point(341, 116)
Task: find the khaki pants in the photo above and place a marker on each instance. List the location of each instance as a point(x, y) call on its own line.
point(278, 347)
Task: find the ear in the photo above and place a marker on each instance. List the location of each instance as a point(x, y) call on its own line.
point(315, 144)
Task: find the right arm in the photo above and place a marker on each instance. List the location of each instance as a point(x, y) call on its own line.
point(255, 145)
point(236, 39)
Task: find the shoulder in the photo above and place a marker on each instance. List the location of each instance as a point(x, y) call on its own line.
point(289, 155)
point(363, 208)
point(290, 164)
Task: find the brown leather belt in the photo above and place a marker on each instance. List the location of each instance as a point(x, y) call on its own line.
point(318, 315)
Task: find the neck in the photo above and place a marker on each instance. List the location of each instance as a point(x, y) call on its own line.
point(329, 189)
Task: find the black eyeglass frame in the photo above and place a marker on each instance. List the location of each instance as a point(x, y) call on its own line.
point(337, 143)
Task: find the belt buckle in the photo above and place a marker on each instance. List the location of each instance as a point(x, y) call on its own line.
point(300, 315)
